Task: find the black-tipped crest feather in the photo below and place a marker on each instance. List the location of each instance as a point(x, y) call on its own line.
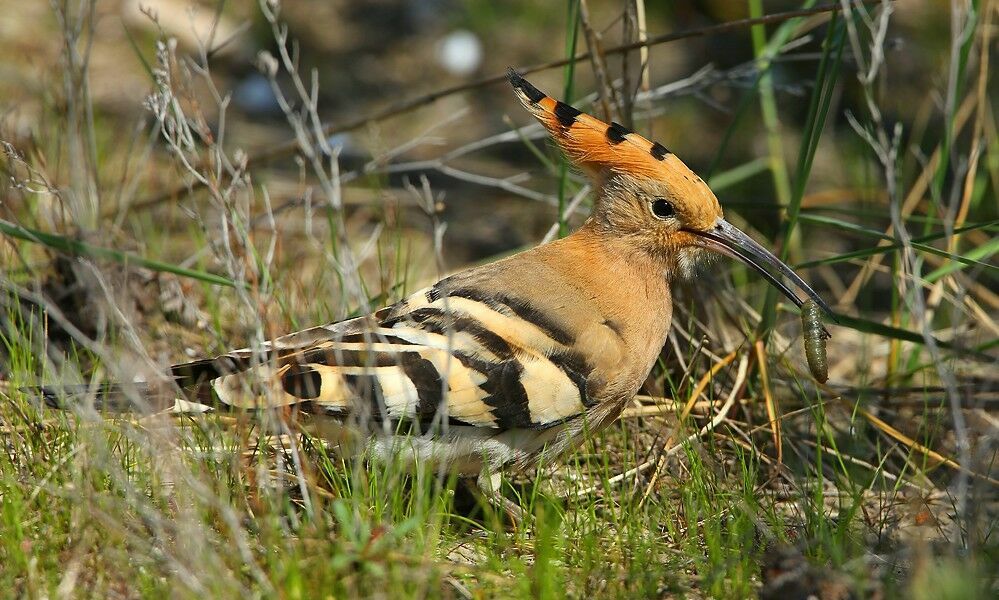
point(518, 82)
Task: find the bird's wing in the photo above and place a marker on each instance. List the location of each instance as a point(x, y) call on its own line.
point(448, 353)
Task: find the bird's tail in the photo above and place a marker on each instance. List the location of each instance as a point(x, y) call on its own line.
point(186, 386)
point(107, 397)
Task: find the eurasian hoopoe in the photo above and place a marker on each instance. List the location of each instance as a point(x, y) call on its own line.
point(509, 363)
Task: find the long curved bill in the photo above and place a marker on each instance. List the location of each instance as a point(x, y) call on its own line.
point(727, 239)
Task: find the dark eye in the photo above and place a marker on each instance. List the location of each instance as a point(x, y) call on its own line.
point(662, 209)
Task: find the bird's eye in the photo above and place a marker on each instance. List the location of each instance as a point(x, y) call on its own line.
point(662, 209)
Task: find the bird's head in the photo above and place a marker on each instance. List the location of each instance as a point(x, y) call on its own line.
point(649, 198)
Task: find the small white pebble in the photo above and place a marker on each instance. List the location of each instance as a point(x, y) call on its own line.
point(460, 52)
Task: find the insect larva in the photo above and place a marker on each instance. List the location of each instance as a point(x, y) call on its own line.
point(815, 340)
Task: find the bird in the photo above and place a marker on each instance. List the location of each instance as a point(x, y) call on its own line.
point(507, 365)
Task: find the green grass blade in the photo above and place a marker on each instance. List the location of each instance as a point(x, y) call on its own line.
point(897, 333)
point(825, 84)
point(972, 258)
point(78, 248)
point(735, 175)
point(138, 53)
point(919, 243)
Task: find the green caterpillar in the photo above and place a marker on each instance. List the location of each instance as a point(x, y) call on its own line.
point(815, 340)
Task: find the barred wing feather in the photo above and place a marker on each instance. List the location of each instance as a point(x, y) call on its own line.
point(461, 356)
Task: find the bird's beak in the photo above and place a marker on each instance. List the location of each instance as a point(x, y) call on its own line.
point(727, 239)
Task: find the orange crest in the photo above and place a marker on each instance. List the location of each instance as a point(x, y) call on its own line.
point(593, 144)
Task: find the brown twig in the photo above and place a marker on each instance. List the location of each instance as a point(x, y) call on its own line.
point(634, 29)
point(771, 403)
point(605, 90)
point(290, 147)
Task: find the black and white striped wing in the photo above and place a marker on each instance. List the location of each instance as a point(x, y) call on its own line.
point(467, 357)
